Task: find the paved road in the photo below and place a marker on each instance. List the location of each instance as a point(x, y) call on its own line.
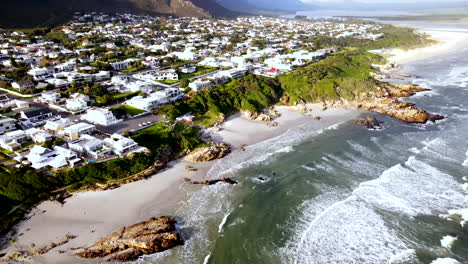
point(130, 124)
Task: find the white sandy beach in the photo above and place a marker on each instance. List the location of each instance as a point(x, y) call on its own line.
point(449, 40)
point(94, 215)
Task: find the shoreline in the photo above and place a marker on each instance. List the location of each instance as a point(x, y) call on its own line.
point(94, 215)
point(448, 41)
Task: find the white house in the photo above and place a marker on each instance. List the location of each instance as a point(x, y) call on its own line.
point(77, 130)
point(101, 76)
point(121, 65)
point(12, 140)
point(100, 116)
point(188, 69)
point(50, 97)
point(154, 100)
point(279, 63)
point(76, 105)
point(59, 157)
point(140, 86)
point(90, 146)
point(199, 84)
point(143, 103)
point(7, 124)
point(120, 79)
point(122, 145)
point(170, 74)
point(55, 126)
point(38, 136)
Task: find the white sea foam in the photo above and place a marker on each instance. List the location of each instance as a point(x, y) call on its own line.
point(415, 150)
point(308, 168)
point(223, 222)
point(207, 259)
point(335, 234)
point(447, 241)
point(461, 212)
point(404, 257)
point(445, 261)
point(338, 236)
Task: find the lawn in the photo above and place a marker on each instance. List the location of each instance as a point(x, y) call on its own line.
point(200, 71)
point(126, 111)
point(133, 111)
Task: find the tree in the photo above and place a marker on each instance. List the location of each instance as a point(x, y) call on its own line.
point(184, 83)
point(13, 62)
point(44, 62)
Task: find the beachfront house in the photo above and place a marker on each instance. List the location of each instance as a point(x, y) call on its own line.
point(57, 158)
point(121, 145)
point(89, 146)
point(199, 84)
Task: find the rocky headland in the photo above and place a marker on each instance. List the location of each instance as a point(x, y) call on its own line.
point(383, 100)
point(144, 238)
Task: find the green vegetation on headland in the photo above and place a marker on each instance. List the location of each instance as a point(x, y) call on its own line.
point(251, 93)
point(395, 37)
point(26, 187)
point(343, 75)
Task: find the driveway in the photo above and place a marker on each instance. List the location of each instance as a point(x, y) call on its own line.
point(131, 124)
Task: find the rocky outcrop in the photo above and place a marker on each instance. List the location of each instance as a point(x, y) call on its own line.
point(211, 182)
point(370, 122)
point(127, 244)
point(190, 169)
point(273, 112)
point(383, 101)
point(262, 117)
point(22, 256)
point(402, 90)
point(213, 152)
point(401, 110)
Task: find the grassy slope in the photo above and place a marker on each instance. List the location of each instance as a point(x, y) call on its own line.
point(340, 76)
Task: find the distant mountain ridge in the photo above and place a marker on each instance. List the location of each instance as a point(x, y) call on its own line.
point(35, 13)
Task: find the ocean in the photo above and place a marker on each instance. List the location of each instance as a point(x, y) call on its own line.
point(344, 194)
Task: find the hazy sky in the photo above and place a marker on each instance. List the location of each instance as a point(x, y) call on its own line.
point(381, 1)
point(360, 4)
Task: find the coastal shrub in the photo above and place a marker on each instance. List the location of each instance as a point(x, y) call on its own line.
point(250, 93)
point(344, 75)
point(93, 173)
point(176, 136)
point(395, 37)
